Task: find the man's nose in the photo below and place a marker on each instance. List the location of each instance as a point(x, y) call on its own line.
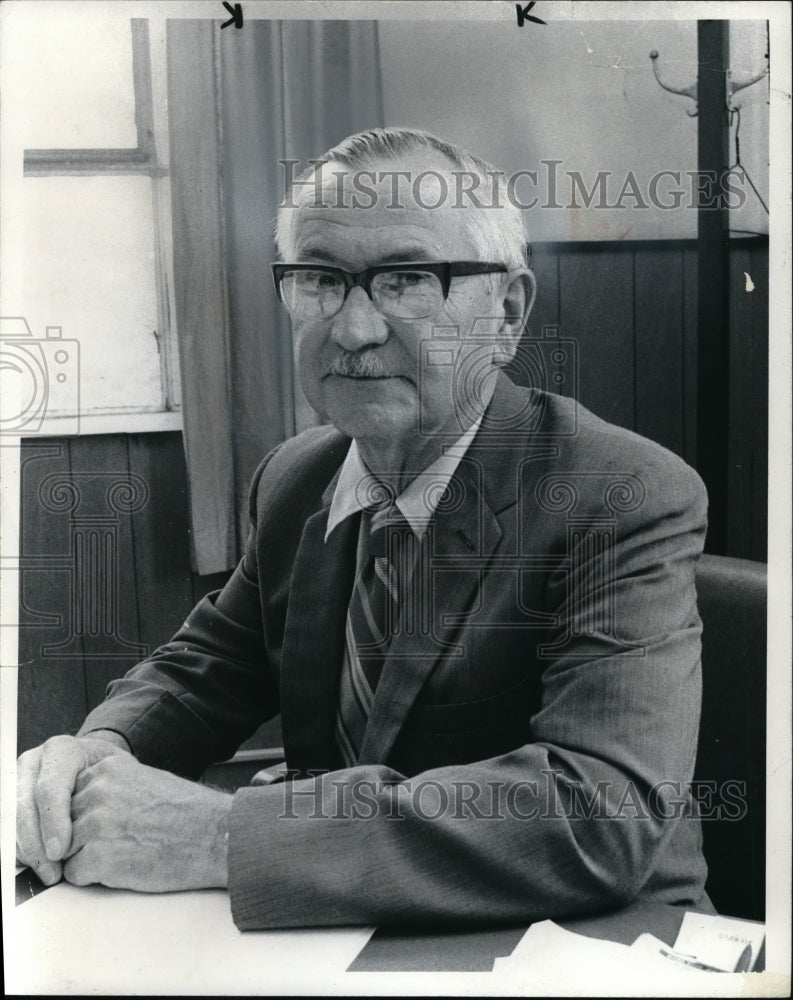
point(359, 324)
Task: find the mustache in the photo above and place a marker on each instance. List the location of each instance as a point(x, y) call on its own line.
point(359, 364)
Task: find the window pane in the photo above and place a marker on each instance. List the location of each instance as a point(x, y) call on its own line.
point(72, 77)
point(79, 254)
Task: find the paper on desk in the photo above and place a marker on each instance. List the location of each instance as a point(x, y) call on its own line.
point(719, 941)
point(548, 953)
point(547, 942)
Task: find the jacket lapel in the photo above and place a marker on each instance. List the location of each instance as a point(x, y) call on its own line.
point(322, 580)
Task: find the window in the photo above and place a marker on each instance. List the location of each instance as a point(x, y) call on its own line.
point(86, 253)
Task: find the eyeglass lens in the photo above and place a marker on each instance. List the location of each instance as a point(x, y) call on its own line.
point(404, 294)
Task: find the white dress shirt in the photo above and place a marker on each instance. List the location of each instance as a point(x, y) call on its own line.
point(416, 502)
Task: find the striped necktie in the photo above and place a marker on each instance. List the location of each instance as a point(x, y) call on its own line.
point(372, 618)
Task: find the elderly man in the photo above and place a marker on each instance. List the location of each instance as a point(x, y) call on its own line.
point(473, 605)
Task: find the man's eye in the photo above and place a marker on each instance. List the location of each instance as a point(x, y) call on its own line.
point(320, 279)
point(315, 281)
point(405, 280)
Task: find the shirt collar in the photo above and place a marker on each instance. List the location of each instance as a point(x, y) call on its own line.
point(416, 503)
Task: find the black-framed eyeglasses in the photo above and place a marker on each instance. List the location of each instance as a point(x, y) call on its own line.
point(404, 291)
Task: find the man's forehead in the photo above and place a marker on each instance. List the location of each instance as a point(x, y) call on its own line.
point(379, 236)
point(401, 203)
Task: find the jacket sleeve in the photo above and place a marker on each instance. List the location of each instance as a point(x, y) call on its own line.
point(196, 698)
point(573, 821)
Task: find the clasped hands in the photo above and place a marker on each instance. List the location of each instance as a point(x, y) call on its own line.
point(88, 811)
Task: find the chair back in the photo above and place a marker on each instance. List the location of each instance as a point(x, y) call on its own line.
point(732, 600)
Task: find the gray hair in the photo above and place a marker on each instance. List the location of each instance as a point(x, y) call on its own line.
point(497, 232)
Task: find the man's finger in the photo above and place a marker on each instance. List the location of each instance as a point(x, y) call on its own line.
point(83, 867)
point(29, 846)
point(75, 870)
point(60, 766)
point(83, 779)
point(27, 816)
point(50, 872)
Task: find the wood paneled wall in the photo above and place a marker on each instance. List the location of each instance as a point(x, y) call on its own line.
point(631, 310)
point(75, 526)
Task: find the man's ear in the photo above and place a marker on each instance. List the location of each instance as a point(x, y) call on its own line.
point(518, 292)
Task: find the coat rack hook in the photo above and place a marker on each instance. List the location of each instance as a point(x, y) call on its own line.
point(734, 85)
point(689, 91)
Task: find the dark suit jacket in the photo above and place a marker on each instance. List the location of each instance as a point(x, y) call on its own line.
point(526, 756)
